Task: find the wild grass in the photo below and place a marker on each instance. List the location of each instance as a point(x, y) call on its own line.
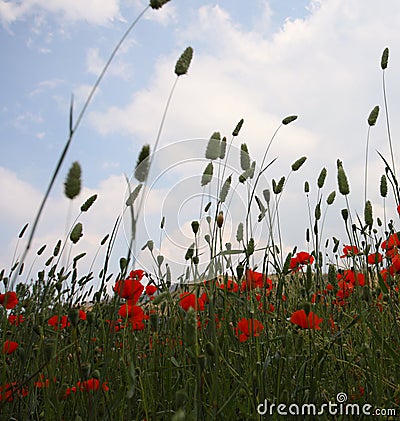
point(249, 323)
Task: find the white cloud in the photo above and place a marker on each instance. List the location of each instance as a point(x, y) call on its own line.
point(95, 64)
point(324, 67)
point(45, 85)
point(94, 11)
point(57, 219)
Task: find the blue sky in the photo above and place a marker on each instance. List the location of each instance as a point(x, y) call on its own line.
point(259, 60)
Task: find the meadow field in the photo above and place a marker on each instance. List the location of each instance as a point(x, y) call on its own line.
point(247, 332)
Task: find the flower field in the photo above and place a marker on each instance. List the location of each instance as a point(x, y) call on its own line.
point(245, 325)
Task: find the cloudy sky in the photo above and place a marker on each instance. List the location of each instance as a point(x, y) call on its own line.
point(260, 61)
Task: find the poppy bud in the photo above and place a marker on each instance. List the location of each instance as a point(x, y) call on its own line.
point(150, 245)
point(220, 219)
point(195, 227)
point(267, 195)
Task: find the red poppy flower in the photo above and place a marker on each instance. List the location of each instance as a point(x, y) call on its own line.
point(135, 315)
point(91, 384)
point(137, 274)
point(9, 300)
point(256, 280)
point(395, 266)
point(345, 289)
point(302, 258)
point(116, 325)
point(16, 320)
point(86, 386)
point(247, 328)
point(6, 391)
point(9, 347)
point(129, 288)
point(150, 290)
point(42, 382)
point(374, 258)
point(58, 322)
point(350, 276)
point(188, 300)
point(312, 321)
point(350, 251)
point(230, 285)
point(393, 241)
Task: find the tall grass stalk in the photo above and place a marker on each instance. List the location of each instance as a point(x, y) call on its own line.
point(73, 127)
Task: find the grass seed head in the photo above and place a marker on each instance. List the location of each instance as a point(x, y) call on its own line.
point(183, 63)
point(72, 185)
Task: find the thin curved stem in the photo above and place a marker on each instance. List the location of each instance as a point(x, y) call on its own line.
point(73, 129)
